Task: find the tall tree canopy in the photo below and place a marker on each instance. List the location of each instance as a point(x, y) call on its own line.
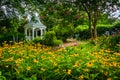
point(63, 11)
point(94, 8)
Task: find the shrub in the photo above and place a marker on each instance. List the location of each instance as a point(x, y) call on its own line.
point(38, 40)
point(57, 42)
point(81, 28)
point(101, 29)
point(9, 37)
point(116, 24)
point(49, 39)
point(64, 32)
point(107, 42)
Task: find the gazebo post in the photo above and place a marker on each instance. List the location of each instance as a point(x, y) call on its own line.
point(33, 33)
point(29, 34)
point(36, 33)
point(41, 32)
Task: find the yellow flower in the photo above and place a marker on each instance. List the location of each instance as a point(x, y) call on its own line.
point(109, 78)
point(95, 47)
point(19, 60)
point(38, 45)
point(89, 64)
point(75, 55)
point(35, 61)
point(26, 57)
point(59, 50)
point(8, 60)
point(86, 70)
point(1, 51)
point(57, 70)
point(6, 66)
point(76, 64)
point(69, 72)
point(81, 77)
point(28, 68)
point(108, 50)
point(43, 69)
point(55, 64)
point(105, 73)
point(118, 45)
point(93, 61)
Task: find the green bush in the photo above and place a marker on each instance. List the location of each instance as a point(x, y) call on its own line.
point(101, 29)
point(117, 24)
point(57, 42)
point(81, 28)
point(49, 39)
point(9, 37)
point(107, 42)
point(64, 32)
point(38, 40)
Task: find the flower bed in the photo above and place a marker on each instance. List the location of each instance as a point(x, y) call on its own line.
point(37, 62)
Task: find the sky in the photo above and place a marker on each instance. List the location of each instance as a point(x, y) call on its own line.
point(116, 14)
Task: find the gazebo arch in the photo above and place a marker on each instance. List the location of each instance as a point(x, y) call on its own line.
point(34, 29)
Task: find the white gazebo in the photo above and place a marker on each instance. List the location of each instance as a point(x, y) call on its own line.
point(34, 28)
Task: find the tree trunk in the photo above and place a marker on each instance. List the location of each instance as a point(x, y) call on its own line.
point(95, 23)
point(95, 30)
point(90, 26)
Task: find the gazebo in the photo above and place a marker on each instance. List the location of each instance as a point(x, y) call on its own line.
point(34, 28)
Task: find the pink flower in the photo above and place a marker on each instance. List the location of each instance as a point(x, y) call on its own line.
point(75, 44)
point(113, 34)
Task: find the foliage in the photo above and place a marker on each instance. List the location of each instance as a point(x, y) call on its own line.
point(49, 39)
point(80, 28)
point(7, 36)
point(64, 32)
point(107, 42)
point(62, 13)
point(94, 9)
point(38, 40)
point(57, 42)
point(116, 25)
point(52, 13)
point(101, 29)
point(32, 62)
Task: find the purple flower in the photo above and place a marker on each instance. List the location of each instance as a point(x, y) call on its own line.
point(118, 31)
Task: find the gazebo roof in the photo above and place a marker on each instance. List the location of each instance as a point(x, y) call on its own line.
point(35, 24)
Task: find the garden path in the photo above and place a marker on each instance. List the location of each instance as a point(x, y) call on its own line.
point(72, 42)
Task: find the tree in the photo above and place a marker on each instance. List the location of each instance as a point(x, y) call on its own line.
point(94, 8)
